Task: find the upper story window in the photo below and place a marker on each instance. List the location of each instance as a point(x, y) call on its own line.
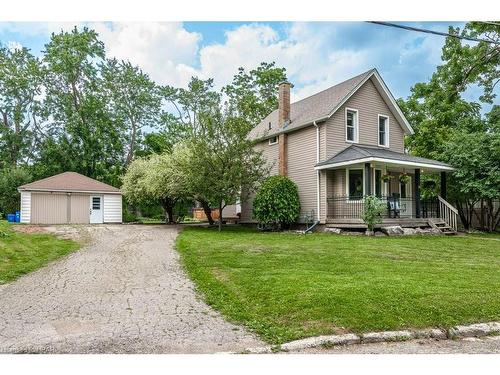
point(351, 125)
point(273, 140)
point(383, 131)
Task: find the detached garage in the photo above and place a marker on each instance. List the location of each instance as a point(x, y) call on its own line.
point(70, 198)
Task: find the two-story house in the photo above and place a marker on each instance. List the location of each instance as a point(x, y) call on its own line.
point(344, 143)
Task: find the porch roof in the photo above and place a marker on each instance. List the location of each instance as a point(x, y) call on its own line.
point(355, 154)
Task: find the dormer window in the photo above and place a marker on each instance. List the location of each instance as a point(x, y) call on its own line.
point(273, 140)
point(351, 125)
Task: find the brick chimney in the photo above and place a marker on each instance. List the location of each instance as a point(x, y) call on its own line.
point(283, 122)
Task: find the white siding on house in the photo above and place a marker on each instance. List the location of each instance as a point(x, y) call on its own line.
point(25, 207)
point(112, 208)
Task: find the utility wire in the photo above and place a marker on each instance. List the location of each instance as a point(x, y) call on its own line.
point(433, 32)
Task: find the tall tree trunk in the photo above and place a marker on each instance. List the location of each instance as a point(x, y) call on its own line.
point(168, 207)
point(208, 211)
point(220, 216)
point(130, 154)
point(464, 216)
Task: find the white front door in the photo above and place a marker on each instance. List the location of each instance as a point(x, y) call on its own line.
point(96, 209)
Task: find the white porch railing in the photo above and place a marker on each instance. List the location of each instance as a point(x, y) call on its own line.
point(448, 213)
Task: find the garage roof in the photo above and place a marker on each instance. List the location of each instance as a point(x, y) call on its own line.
point(69, 182)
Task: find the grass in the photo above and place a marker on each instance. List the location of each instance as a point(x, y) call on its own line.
point(21, 253)
point(286, 286)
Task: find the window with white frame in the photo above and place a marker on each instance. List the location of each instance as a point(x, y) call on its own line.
point(383, 131)
point(273, 140)
point(351, 125)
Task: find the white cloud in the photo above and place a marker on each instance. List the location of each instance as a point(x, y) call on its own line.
point(166, 51)
point(316, 55)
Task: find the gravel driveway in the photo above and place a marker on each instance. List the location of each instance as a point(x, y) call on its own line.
point(125, 292)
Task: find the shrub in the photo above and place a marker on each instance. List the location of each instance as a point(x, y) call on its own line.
point(277, 202)
point(372, 209)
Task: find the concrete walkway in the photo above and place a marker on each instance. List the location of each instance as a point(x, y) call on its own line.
point(123, 293)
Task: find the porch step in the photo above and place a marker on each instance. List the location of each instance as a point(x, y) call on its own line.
point(443, 227)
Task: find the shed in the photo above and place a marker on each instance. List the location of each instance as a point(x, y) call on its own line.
point(70, 198)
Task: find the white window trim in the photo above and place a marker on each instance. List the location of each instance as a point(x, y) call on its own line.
point(386, 130)
point(374, 182)
point(273, 143)
point(356, 125)
point(348, 200)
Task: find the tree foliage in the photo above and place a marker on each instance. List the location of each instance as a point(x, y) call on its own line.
point(82, 135)
point(21, 76)
point(253, 95)
point(154, 179)
point(10, 180)
point(450, 127)
point(135, 100)
point(277, 202)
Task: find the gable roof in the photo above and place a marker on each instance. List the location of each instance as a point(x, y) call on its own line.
point(69, 182)
point(357, 154)
point(322, 105)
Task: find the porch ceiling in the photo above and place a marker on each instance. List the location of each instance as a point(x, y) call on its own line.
point(356, 154)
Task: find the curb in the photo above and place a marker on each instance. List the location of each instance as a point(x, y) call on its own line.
point(463, 331)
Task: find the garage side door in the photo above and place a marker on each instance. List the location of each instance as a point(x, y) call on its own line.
point(80, 209)
point(49, 208)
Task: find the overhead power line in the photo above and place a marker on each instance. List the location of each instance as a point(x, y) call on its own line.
point(433, 32)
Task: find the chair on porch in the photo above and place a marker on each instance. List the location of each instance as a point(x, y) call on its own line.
point(393, 206)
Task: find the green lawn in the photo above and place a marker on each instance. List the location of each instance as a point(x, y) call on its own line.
point(287, 286)
point(21, 253)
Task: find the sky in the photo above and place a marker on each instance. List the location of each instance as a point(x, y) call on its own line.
point(316, 55)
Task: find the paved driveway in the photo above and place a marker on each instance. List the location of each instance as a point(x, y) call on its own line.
point(123, 293)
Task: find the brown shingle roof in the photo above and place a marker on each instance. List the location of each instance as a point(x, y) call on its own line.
point(71, 182)
point(307, 110)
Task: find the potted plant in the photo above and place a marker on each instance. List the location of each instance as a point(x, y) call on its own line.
point(386, 177)
point(373, 208)
point(404, 178)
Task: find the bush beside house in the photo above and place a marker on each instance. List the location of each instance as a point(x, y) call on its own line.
point(277, 202)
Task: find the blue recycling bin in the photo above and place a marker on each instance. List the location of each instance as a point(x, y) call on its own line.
point(18, 216)
point(11, 218)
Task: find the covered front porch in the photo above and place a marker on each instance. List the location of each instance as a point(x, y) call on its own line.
point(393, 177)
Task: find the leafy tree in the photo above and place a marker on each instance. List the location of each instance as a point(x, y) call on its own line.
point(85, 137)
point(154, 179)
point(253, 94)
point(225, 163)
point(135, 100)
point(10, 180)
point(165, 183)
point(21, 77)
point(448, 126)
point(476, 157)
point(277, 202)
